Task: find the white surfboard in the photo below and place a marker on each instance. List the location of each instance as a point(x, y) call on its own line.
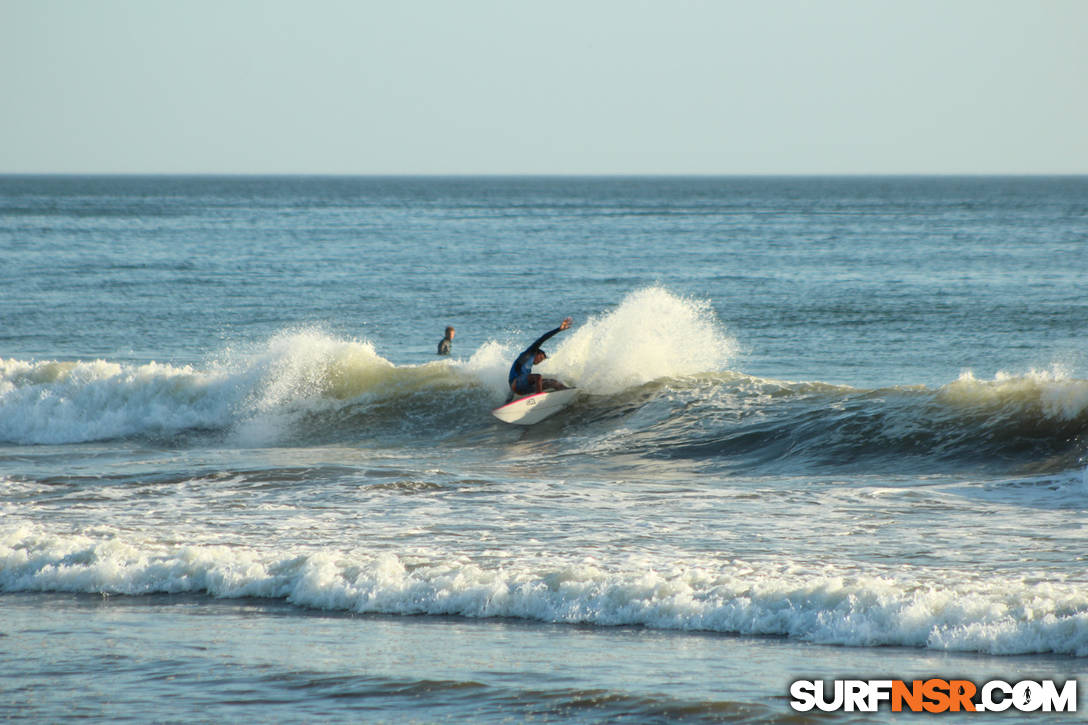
point(534, 408)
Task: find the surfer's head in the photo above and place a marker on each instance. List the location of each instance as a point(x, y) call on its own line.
point(539, 357)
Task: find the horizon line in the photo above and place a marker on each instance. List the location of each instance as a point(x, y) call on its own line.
point(557, 175)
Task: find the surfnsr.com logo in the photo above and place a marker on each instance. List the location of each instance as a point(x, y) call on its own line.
point(934, 695)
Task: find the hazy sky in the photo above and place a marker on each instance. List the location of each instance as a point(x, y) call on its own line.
point(505, 86)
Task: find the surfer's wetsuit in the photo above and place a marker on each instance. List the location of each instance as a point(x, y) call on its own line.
point(523, 366)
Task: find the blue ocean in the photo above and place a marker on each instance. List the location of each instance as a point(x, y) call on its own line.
point(827, 427)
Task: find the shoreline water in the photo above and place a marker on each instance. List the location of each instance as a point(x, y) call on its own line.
point(179, 655)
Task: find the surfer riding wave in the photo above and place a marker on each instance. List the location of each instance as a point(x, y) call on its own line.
point(523, 381)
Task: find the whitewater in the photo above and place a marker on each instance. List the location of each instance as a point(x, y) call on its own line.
point(234, 475)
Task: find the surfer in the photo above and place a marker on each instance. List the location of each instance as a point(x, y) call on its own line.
point(447, 341)
point(523, 381)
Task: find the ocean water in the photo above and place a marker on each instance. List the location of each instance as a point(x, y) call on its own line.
point(828, 428)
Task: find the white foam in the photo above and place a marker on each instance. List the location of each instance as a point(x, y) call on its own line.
point(1054, 392)
point(914, 608)
point(257, 394)
point(490, 365)
point(51, 402)
point(302, 371)
point(652, 334)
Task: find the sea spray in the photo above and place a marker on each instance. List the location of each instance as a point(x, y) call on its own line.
point(652, 334)
point(309, 364)
point(300, 372)
point(490, 365)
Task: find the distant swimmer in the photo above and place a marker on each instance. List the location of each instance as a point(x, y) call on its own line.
point(447, 342)
point(523, 381)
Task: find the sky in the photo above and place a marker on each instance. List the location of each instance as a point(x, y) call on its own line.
point(559, 87)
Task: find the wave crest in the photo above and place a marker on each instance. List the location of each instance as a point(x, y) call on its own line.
point(912, 608)
point(652, 334)
point(1051, 394)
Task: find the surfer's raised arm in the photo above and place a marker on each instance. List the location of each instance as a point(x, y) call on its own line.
point(564, 325)
point(523, 381)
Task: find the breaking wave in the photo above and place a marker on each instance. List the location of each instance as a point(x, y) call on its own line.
point(905, 607)
point(655, 379)
point(307, 374)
